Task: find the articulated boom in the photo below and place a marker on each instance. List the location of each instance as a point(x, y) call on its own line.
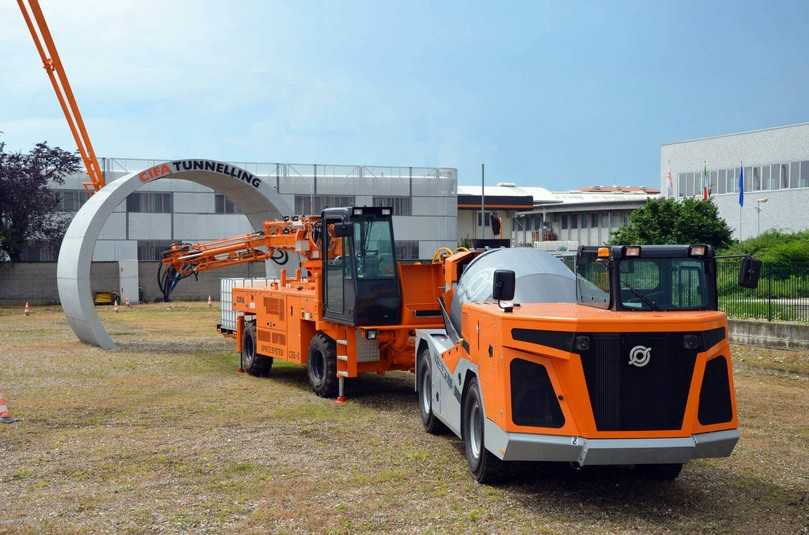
point(279, 238)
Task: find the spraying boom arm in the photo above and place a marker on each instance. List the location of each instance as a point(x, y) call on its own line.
point(279, 237)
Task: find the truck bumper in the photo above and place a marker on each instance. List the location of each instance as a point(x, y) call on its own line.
point(588, 451)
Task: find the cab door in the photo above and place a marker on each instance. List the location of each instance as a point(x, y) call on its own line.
point(338, 270)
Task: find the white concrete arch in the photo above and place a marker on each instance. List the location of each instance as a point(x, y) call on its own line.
point(255, 197)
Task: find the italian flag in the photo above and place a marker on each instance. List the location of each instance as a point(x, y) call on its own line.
point(706, 184)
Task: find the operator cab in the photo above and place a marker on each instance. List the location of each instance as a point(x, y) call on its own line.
point(360, 275)
point(649, 277)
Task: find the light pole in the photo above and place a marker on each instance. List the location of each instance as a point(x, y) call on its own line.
point(759, 202)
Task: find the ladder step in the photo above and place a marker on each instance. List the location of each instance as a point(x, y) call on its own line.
point(342, 374)
point(344, 358)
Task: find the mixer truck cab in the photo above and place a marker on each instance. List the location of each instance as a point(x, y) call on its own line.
point(624, 362)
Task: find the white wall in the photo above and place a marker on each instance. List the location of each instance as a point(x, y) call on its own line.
point(785, 209)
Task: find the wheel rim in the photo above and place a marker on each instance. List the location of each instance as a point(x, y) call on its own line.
point(318, 366)
point(475, 426)
point(426, 392)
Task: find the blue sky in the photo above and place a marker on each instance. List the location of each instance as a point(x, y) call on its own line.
point(557, 94)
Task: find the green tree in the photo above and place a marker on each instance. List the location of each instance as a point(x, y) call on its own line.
point(26, 202)
point(668, 221)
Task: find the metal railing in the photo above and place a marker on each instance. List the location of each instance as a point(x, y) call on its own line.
point(782, 293)
point(273, 169)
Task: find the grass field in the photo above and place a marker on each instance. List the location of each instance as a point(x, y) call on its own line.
point(164, 435)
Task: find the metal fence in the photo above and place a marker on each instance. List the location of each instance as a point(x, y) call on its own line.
point(782, 293)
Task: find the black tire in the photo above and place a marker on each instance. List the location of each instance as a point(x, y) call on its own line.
point(425, 395)
point(485, 467)
point(322, 366)
point(251, 361)
point(659, 472)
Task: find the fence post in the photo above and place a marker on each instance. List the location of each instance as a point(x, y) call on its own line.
point(769, 293)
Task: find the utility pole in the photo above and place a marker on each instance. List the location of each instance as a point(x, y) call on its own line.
point(483, 200)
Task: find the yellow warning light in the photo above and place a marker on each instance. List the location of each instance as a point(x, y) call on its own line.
point(603, 252)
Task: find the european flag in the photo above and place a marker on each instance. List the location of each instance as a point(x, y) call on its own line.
point(741, 185)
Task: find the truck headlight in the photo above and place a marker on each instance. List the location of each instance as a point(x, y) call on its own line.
point(582, 343)
point(691, 341)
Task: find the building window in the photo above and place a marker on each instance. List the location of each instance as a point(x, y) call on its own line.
point(314, 204)
point(564, 221)
point(149, 202)
point(765, 177)
point(574, 221)
point(805, 174)
point(605, 220)
point(733, 178)
point(680, 184)
point(152, 249)
point(538, 222)
point(594, 220)
point(488, 218)
point(225, 205)
point(756, 179)
point(70, 200)
point(407, 249)
point(794, 170)
point(400, 205)
point(722, 183)
point(784, 176)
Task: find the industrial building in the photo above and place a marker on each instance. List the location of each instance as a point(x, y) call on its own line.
point(776, 176)
point(587, 216)
point(503, 200)
point(423, 201)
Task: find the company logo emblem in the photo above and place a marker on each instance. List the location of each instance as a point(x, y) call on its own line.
point(640, 356)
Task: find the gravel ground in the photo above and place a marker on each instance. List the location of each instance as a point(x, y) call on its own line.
point(164, 435)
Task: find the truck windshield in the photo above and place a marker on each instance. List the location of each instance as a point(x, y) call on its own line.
point(663, 284)
point(373, 245)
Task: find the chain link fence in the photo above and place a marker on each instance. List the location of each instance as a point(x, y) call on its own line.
point(782, 293)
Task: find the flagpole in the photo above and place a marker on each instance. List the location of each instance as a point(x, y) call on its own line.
point(741, 198)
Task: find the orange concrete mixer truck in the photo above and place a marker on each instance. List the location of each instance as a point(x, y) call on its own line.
point(624, 362)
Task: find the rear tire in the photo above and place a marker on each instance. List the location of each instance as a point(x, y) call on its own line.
point(485, 467)
point(659, 472)
point(425, 395)
point(251, 361)
point(322, 366)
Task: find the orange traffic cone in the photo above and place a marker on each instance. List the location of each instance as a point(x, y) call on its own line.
point(27, 311)
point(5, 416)
point(115, 305)
point(210, 302)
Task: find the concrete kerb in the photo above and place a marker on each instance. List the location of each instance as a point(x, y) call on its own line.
point(256, 198)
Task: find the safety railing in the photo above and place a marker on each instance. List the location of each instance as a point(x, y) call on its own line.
point(274, 169)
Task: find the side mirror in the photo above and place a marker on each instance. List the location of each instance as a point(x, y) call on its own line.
point(342, 230)
point(503, 285)
point(750, 272)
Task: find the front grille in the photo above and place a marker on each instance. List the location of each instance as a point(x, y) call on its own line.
point(625, 397)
